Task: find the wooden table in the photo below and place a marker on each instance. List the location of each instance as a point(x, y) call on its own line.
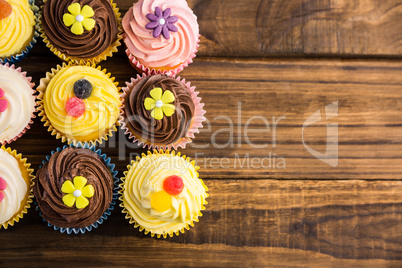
point(263, 69)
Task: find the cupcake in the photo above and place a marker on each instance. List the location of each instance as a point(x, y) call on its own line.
point(160, 111)
point(162, 194)
point(16, 181)
point(75, 188)
point(161, 36)
point(83, 30)
point(18, 29)
point(17, 103)
point(79, 103)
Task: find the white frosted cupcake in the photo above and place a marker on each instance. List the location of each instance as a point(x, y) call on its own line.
point(17, 103)
point(162, 193)
point(16, 182)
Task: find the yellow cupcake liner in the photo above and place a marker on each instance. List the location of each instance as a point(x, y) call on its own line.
point(94, 60)
point(133, 221)
point(27, 174)
point(60, 135)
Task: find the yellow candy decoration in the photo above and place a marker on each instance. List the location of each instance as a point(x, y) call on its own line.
point(160, 103)
point(77, 193)
point(161, 201)
point(79, 18)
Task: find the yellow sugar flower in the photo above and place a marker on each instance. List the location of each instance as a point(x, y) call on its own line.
point(160, 103)
point(79, 18)
point(77, 193)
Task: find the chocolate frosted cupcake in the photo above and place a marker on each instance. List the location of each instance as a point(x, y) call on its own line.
point(77, 30)
point(161, 111)
point(74, 189)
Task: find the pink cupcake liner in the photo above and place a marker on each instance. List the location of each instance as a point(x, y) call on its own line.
point(151, 70)
point(198, 117)
point(29, 79)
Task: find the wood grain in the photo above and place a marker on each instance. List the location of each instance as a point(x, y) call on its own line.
point(270, 28)
point(369, 117)
point(308, 214)
point(247, 223)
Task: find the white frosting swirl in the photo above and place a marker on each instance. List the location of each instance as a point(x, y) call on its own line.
point(16, 189)
point(21, 103)
point(146, 178)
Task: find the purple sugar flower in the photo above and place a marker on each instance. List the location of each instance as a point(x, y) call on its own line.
point(162, 23)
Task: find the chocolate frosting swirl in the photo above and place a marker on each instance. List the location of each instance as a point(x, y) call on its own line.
point(168, 130)
point(89, 44)
point(65, 165)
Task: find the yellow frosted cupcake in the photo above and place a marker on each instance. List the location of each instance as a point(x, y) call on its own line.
point(16, 182)
point(162, 194)
point(18, 30)
point(79, 103)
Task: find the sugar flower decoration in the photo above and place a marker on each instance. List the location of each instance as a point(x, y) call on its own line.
point(160, 103)
point(162, 22)
point(77, 193)
point(3, 186)
point(79, 18)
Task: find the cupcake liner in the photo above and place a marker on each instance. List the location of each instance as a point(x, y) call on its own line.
point(29, 79)
point(107, 213)
point(152, 70)
point(198, 118)
point(59, 135)
point(28, 48)
point(132, 220)
point(94, 60)
point(27, 174)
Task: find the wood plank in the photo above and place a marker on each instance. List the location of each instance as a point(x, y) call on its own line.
point(369, 117)
point(271, 28)
point(247, 223)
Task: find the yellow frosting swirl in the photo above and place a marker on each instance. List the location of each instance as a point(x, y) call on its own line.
point(146, 177)
point(101, 108)
point(16, 31)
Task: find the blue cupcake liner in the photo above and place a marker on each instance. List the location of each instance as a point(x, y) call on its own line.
point(116, 180)
point(28, 48)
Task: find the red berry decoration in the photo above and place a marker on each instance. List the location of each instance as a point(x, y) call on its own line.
point(173, 185)
point(3, 105)
point(5, 9)
point(3, 184)
point(2, 93)
point(75, 107)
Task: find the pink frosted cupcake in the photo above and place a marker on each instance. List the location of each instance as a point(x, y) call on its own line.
point(161, 36)
point(160, 111)
point(17, 103)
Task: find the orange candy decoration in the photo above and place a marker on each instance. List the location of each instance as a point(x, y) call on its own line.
point(5, 9)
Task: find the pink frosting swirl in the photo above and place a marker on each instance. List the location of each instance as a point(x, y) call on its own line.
point(160, 52)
